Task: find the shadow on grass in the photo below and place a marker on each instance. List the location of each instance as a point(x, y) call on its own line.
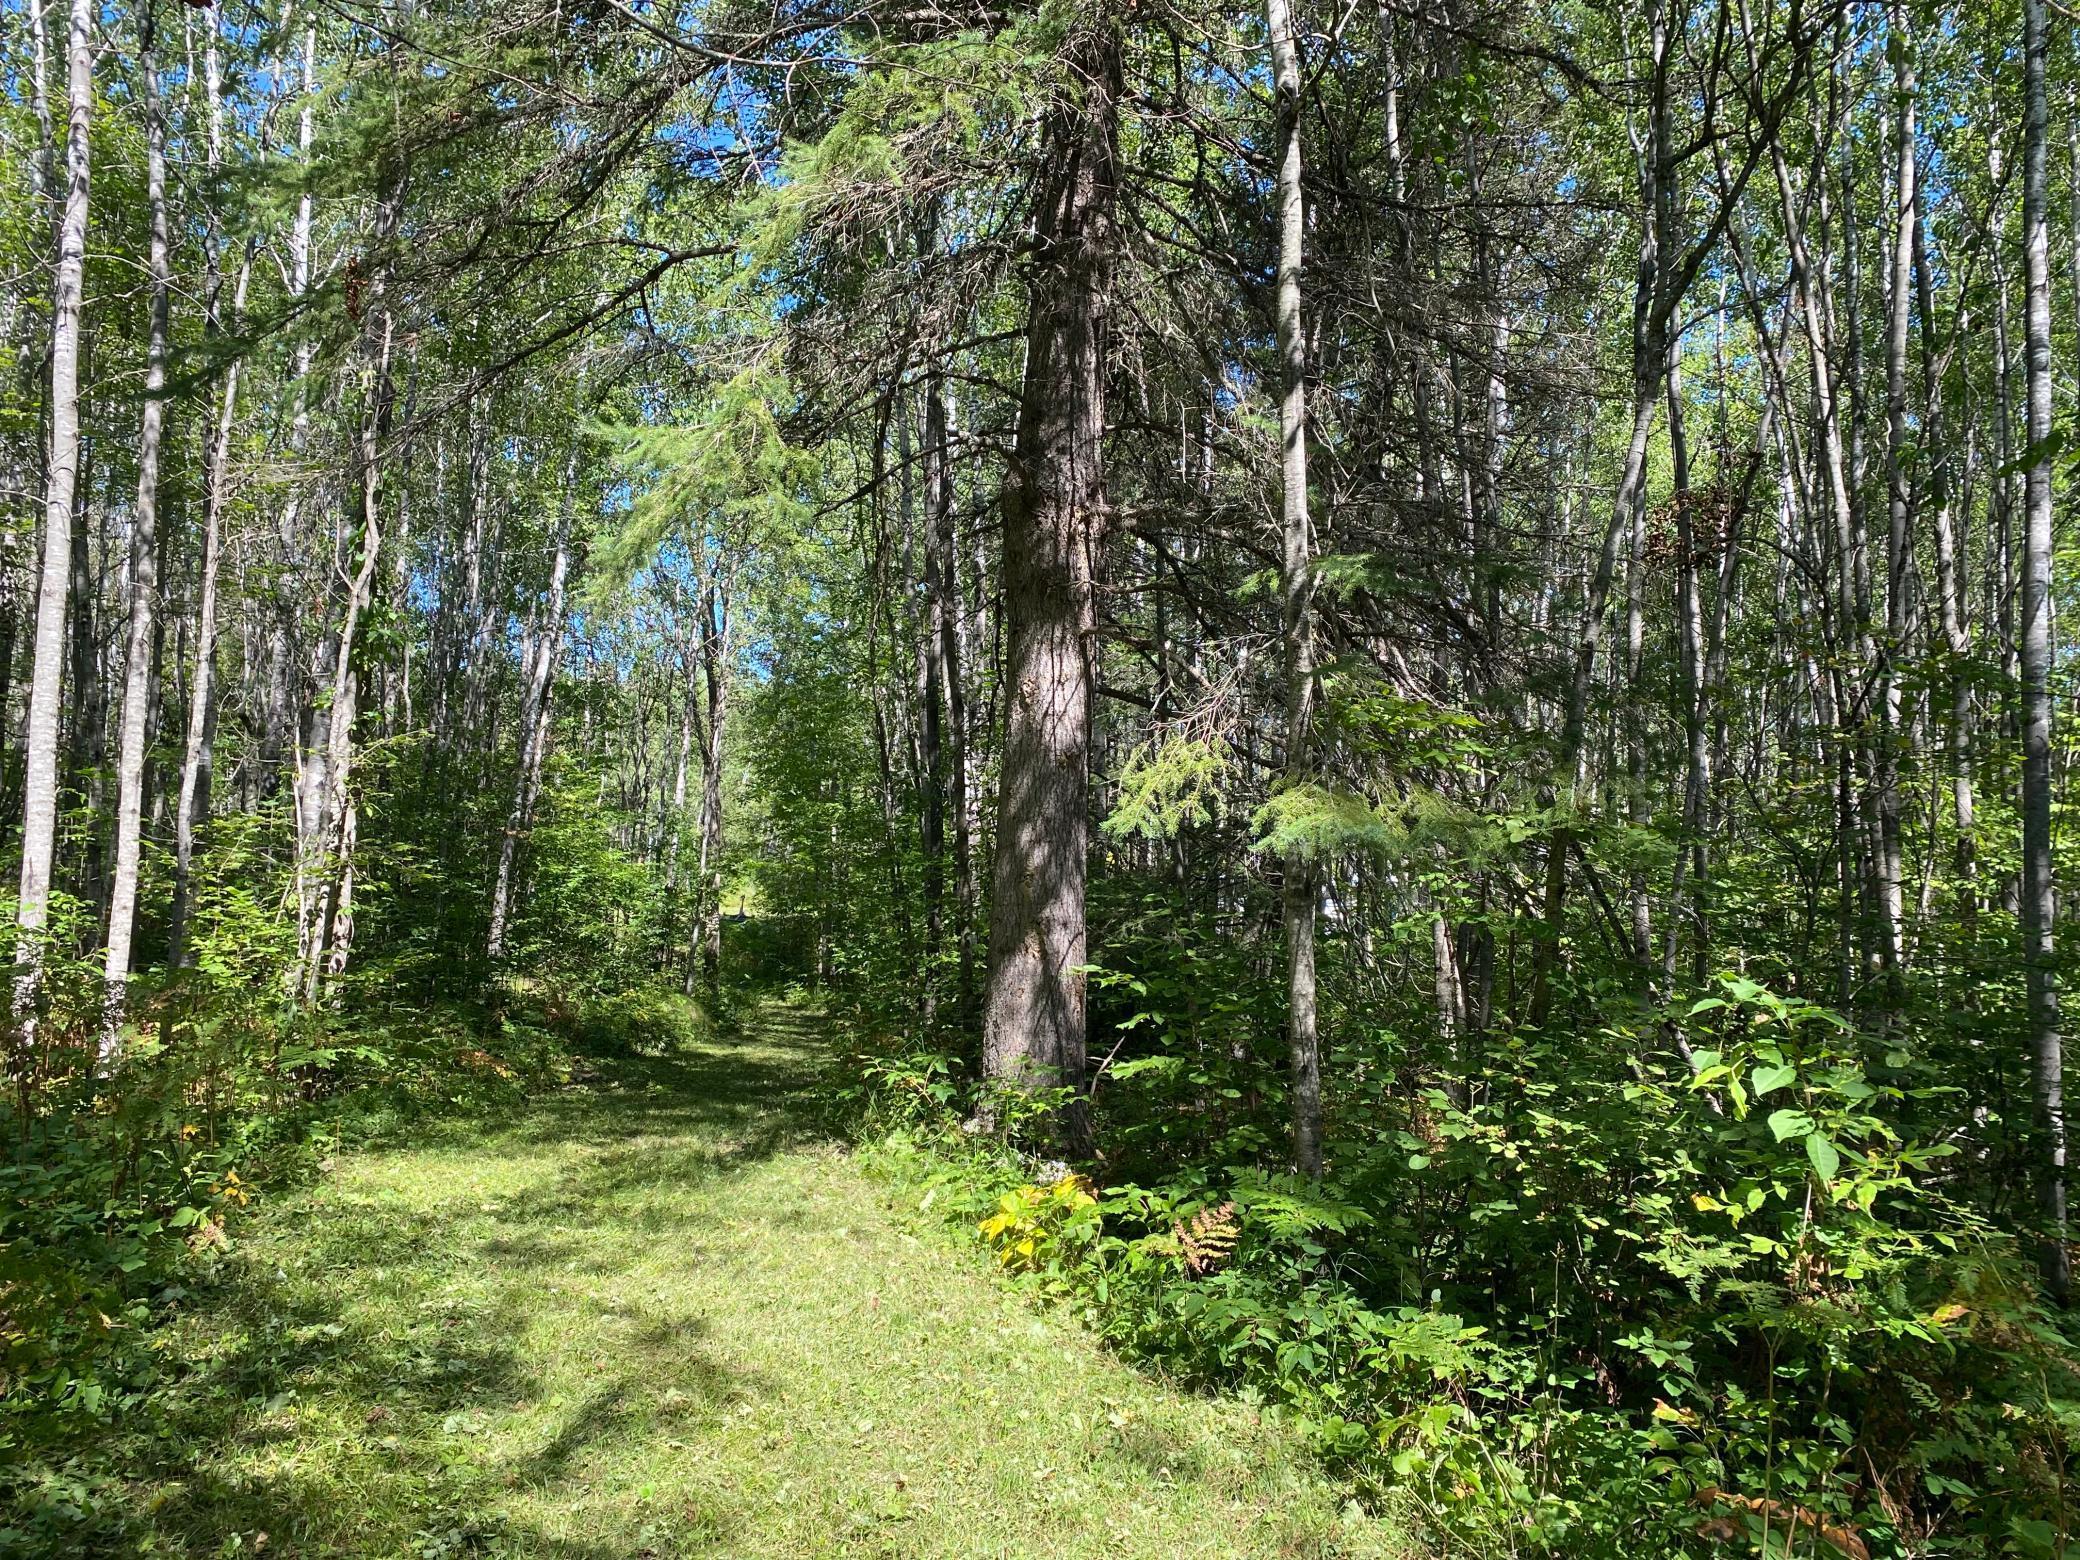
point(760, 1085)
point(366, 1383)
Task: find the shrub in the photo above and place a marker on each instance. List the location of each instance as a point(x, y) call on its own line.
point(1603, 1299)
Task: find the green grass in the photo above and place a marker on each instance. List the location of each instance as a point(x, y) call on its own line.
point(657, 1315)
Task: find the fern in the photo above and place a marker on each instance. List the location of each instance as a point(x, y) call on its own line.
point(1207, 1239)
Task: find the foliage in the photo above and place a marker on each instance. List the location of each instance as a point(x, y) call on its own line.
point(128, 1181)
point(1654, 1304)
point(1044, 1228)
point(1163, 787)
point(611, 467)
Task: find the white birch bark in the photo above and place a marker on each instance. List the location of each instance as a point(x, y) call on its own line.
point(2039, 903)
point(40, 786)
point(144, 574)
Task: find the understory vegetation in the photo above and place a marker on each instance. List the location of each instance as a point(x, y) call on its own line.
point(1577, 1313)
point(129, 1181)
point(1391, 678)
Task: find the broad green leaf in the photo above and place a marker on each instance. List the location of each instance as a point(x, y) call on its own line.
point(1787, 1124)
point(1764, 1079)
point(1825, 1160)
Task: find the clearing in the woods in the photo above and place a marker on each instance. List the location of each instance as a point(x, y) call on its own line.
point(659, 1314)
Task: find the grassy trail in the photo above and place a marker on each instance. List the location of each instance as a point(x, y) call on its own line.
point(656, 1316)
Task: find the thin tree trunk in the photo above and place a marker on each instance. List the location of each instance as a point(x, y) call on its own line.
point(1690, 659)
point(1900, 499)
point(329, 934)
point(931, 728)
point(40, 784)
point(2039, 904)
point(144, 571)
point(715, 671)
point(1296, 576)
point(544, 648)
point(947, 648)
point(1950, 606)
point(1651, 308)
point(191, 810)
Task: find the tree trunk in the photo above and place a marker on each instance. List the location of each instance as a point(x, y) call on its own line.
point(191, 809)
point(144, 571)
point(1302, 886)
point(931, 725)
point(2039, 904)
point(1899, 508)
point(535, 697)
point(715, 672)
point(1653, 302)
point(40, 784)
point(946, 615)
point(1950, 606)
point(331, 920)
point(1054, 509)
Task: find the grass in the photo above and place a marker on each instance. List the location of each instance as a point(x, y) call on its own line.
point(657, 1315)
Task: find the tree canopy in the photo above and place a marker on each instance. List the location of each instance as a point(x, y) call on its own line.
point(1397, 667)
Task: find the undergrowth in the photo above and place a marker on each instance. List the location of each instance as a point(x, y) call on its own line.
point(1637, 1307)
point(125, 1183)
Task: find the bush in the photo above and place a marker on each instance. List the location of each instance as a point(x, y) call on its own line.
point(1602, 1300)
point(647, 1021)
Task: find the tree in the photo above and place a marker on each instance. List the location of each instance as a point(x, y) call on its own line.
point(40, 770)
point(144, 564)
point(1296, 567)
point(2039, 891)
point(1055, 516)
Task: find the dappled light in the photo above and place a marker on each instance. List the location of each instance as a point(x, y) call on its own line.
point(1038, 779)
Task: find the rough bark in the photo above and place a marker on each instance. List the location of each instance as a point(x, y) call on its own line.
point(1054, 508)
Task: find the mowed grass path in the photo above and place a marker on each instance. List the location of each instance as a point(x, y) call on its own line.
point(656, 1315)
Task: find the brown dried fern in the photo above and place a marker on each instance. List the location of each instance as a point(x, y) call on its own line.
point(1208, 1240)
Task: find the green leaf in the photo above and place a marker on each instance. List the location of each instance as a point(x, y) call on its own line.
point(1764, 1079)
point(2049, 447)
point(1787, 1124)
point(1825, 1160)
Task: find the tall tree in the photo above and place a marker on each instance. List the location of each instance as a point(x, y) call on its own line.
point(1296, 576)
point(1055, 518)
point(2039, 881)
point(144, 560)
point(40, 779)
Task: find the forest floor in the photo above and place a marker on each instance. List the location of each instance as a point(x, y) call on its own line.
point(660, 1314)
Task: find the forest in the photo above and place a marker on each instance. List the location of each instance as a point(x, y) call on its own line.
point(1037, 777)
